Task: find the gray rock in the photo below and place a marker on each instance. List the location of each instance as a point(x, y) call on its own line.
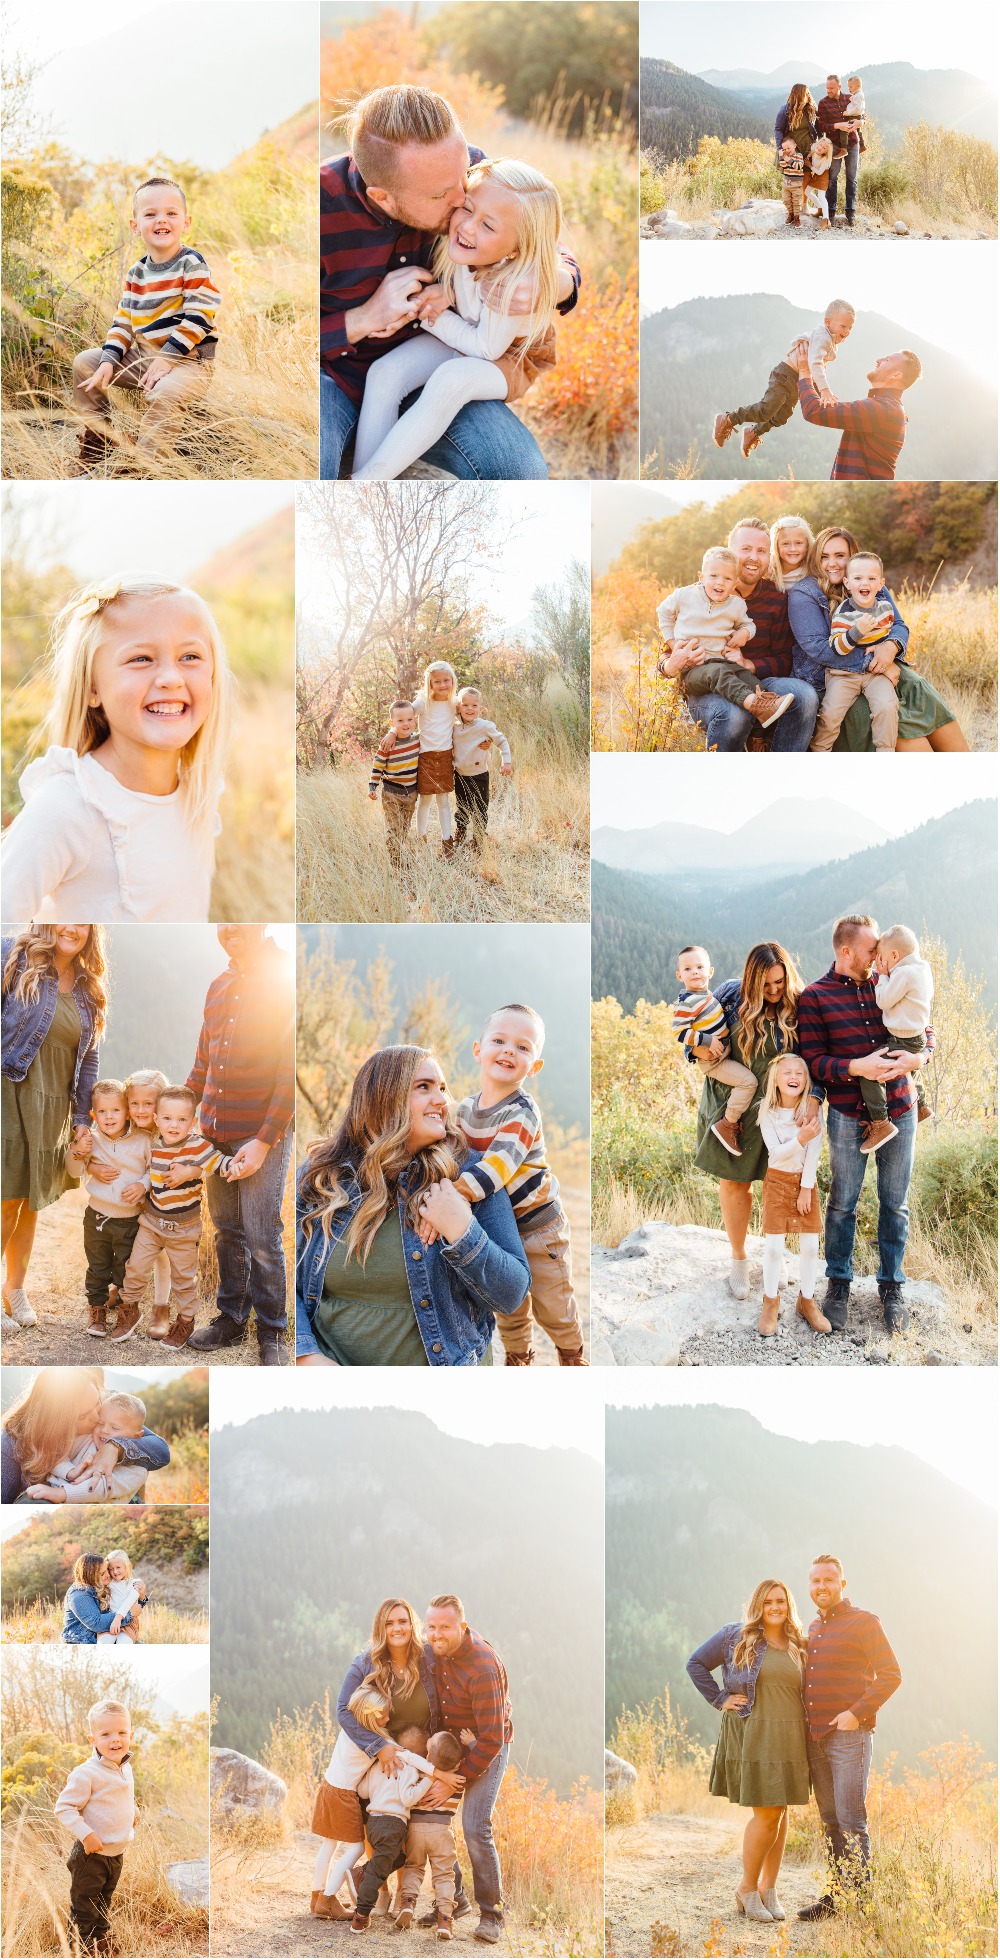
point(901, 230)
point(189, 1879)
point(239, 1783)
point(618, 1774)
point(755, 219)
point(934, 1359)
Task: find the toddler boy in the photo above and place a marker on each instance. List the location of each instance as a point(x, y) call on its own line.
point(97, 1804)
point(111, 1220)
point(780, 399)
point(430, 1839)
point(854, 114)
point(702, 1029)
point(390, 1797)
point(396, 770)
point(94, 1474)
point(792, 166)
point(473, 738)
point(162, 338)
point(180, 1160)
point(904, 989)
point(713, 613)
point(860, 623)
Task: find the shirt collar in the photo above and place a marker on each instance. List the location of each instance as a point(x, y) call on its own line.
point(893, 395)
point(836, 1612)
point(98, 1758)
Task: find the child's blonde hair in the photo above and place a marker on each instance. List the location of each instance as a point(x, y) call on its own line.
point(145, 1078)
point(369, 1706)
point(132, 1404)
point(72, 723)
point(120, 1558)
point(536, 251)
point(108, 1086)
point(899, 939)
point(771, 1099)
point(789, 523)
point(107, 1708)
point(438, 667)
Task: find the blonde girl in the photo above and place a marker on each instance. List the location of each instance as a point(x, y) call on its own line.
point(790, 1197)
point(506, 232)
point(120, 813)
point(791, 542)
point(337, 1818)
point(125, 1595)
point(141, 1090)
point(435, 708)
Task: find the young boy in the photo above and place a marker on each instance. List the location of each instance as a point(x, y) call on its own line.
point(180, 1160)
point(93, 1474)
point(390, 1797)
point(703, 1031)
point(162, 338)
point(713, 613)
point(860, 623)
point(792, 166)
point(779, 401)
point(855, 112)
point(396, 770)
point(97, 1804)
point(904, 989)
point(473, 738)
point(111, 1220)
point(505, 1124)
point(430, 1839)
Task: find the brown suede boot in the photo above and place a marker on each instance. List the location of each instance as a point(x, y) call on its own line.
point(97, 1322)
point(519, 1360)
point(812, 1316)
point(728, 1134)
point(767, 1325)
point(924, 1112)
point(722, 430)
point(127, 1322)
point(180, 1329)
point(159, 1326)
point(766, 707)
point(405, 1915)
point(875, 1135)
point(448, 847)
point(328, 1906)
point(749, 440)
point(444, 1931)
point(572, 1358)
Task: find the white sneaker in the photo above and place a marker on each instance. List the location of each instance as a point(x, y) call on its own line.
point(20, 1308)
point(739, 1279)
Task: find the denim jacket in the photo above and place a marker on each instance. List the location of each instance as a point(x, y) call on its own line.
point(455, 1289)
point(718, 1652)
point(147, 1450)
point(25, 1025)
point(360, 1666)
point(809, 618)
point(83, 1617)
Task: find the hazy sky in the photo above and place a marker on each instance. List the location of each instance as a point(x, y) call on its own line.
point(486, 1406)
point(177, 1675)
point(936, 289)
point(633, 791)
point(947, 1416)
point(729, 34)
point(172, 528)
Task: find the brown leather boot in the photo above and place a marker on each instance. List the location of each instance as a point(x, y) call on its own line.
point(767, 1325)
point(728, 1134)
point(95, 451)
point(812, 1316)
point(572, 1358)
point(444, 1931)
point(127, 1322)
point(749, 440)
point(875, 1135)
point(159, 1326)
point(924, 1112)
point(181, 1328)
point(766, 707)
point(97, 1322)
point(519, 1360)
point(328, 1906)
point(405, 1915)
point(723, 429)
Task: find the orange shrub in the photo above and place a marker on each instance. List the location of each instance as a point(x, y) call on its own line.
point(595, 384)
point(388, 49)
point(650, 714)
point(551, 1850)
point(624, 603)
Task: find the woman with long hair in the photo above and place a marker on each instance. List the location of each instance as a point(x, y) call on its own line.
point(370, 1292)
point(761, 1759)
point(87, 1610)
point(54, 992)
point(926, 723)
point(797, 119)
point(761, 1015)
point(48, 1422)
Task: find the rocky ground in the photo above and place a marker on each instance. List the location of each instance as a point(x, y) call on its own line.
point(765, 217)
point(670, 1888)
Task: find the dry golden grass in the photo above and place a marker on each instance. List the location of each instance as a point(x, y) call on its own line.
point(162, 1626)
point(255, 858)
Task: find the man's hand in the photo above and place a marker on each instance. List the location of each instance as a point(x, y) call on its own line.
point(392, 304)
point(875, 1067)
point(677, 660)
point(133, 1194)
point(432, 303)
point(390, 1760)
point(451, 1778)
point(100, 380)
point(803, 1203)
point(92, 1842)
point(905, 1063)
point(808, 1122)
point(156, 371)
point(248, 1159)
point(845, 1722)
point(802, 359)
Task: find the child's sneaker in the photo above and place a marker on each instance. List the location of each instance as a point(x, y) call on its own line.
point(180, 1332)
point(875, 1135)
point(97, 1322)
point(729, 1135)
point(404, 1918)
point(444, 1931)
point(724, 426)
point(766, 707)
point(519, 1360)
point(359, 1924)
point(749, 440)
point(572, 1358)
point(924, 1111)
point(129, 1317)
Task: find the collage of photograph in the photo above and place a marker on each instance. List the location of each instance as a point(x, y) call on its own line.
point(405, 488)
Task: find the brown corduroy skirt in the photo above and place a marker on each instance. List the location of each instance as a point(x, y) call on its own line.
point(435, 772)
point(780, 1216)
point(337, 1815)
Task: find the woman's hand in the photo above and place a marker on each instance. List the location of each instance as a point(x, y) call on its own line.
point(389, 1759)
point(803, 1203)
point(446, 1209)
point(734, 1701)
point(883, 657)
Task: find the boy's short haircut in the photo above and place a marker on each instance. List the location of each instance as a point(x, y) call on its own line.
point(413, 1737)
point(155, 183)
point(691, 949)
point(449, 1749)
point(515, 1007)
point(397, 707)
point(388, 118)
point(910, 368)
point(847, 928)
point(842, 307)
point(132, 1405)
point(449, 1601)
point(899, 939)
point(107, 1708)
point(108, 1086)
point(720, 554)
point(178, 1092)
point(859, 557)
point(854, 81)
point(464, 692)
point(829, 1558)
point(749, 524)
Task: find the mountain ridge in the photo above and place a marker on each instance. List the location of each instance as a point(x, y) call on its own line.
point(796, 823)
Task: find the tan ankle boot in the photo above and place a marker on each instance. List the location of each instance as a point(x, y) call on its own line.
point(159, 1325)
point(767, 1325)
point(178, 1333)
point(812, 1316)
point(328, 1906)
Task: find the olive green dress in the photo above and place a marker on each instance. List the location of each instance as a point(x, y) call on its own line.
point(921, 712)
point(710, 1156)
point(37, 1115)
point(409, 1711)
point(365, 1318)
point(761, 1759)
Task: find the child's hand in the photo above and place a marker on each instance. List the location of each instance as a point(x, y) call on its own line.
point(100, 380)
point(467, 1739)
point(156, 371)
point(426, 1233)
point(373, 796)
point(388, 743)
point(116, 1624)
point(177, 1174)
point(44, 1494)
point(505, 768)
point(133, 1194)
point(92, 1842)
point(803, 1202)
point(141, 1590)
point(432, 305)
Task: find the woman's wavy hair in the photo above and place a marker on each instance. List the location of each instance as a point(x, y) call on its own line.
point(539, 221)
point(771, 1099)
point(789, 523)
point(87, 1572)
point(371, 1145)
point(752, 1630)
point(380, 1674)
point(36, 948)
point(754, 1012)
point(42, 1421)
point(820, 543)
point(801, 107)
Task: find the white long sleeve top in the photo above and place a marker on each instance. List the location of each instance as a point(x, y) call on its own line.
point(129, 1154)
point(470, 758)
point(395, 1795)
point(435, 723)
point(784, 1151)
point(99, 1796)
point(687, 613)
point(904, 996)
point(123, 1594)
point(474, 327)
point(822, 348)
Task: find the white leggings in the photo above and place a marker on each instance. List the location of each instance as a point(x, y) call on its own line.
point(774, 1246)
point(115, 1640)
point(444, 812)
point(329, 1872)
point(386, 443)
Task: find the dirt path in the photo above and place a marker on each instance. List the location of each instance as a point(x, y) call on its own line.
point(678, 1875)
point(266, 1912)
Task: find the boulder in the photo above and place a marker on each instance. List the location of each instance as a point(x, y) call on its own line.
point(757, 219)
point(239, 1783)
point(618, 1774)
point(666, 224)
point(189, 1879)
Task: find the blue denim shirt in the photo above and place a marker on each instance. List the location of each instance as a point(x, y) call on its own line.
point(25, 1024)
point(83, 1617)
point(718, 1652)
point(455, 1289)
point(809, 618)
point(360, 1666)
point(148, 1450)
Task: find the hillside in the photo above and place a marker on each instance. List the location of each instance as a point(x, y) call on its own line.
point(677, 109)
point(688, 1537)
point(897, 94)
point(264, 555)
point(158, 981)
point(791, 833)
point(939, 878)
point(709, 354)
point(618, 511)
point(316, 1519)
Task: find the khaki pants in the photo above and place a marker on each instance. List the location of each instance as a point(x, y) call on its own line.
point(397, 812)
point(791, 196)
point(429, 1840)
point(742, 1082)
point(179, 1240)
point(551, 1299)
point(841, 691)
point(167, 404)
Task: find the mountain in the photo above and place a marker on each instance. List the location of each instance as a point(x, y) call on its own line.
point(617, 515)
point(896, 94)
point(264, 554)
point(676, 109)
point(704, 1502)
point(319, 1514)
point(158, 978)
point(791, 833)
point(940, 879)
point(711, 354)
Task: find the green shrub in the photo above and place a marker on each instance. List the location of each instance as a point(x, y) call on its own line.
point(955, 1188)
point(883, 188)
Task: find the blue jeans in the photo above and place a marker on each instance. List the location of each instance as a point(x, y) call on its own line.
point(251, 1260)
point(727, 726)
point(893, 1169)
point(850, 163)
point(839, 1764)
point(478, 1804)
point(485, 443)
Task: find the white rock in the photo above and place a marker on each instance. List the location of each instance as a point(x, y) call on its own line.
point(189, 1879)
point(756, 219)
point(239, 1783)
point(618, 1774)
point(901, 229)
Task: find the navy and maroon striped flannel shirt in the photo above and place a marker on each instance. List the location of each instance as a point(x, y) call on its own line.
point(874, 432)
point(838, 1021)
point(770, 650)
point(244, 1069)
point(849, 1665)
point(472, 1691)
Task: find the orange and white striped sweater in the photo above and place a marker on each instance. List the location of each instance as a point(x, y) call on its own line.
point(196, 1157)
point(167, 309)
point(513, 1159)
